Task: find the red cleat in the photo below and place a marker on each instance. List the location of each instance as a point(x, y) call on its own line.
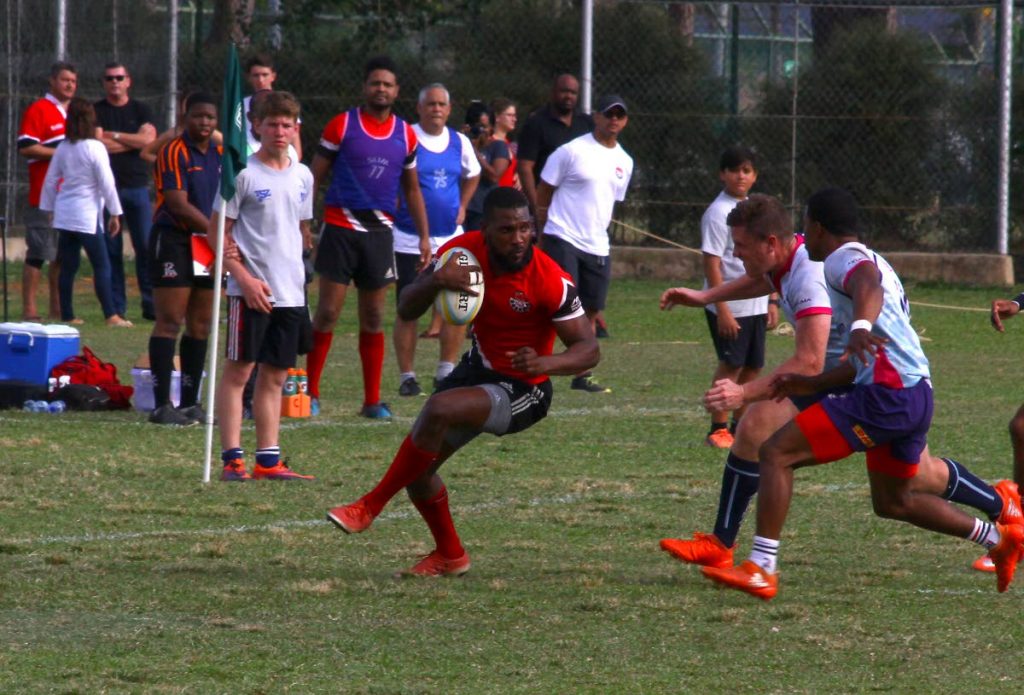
point(747, 577)
point(351, 518)
point(984, 564)
point(234, 472)
point(1006, 554)
point(279, 472)
point(433, 565)
point(1011, 513)
point(705, 549)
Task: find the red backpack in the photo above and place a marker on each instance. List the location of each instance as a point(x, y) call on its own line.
point(88, 369)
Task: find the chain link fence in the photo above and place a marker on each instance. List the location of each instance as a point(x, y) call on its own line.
point(898, 103)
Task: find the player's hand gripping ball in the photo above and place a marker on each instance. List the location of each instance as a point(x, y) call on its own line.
point(459, 307)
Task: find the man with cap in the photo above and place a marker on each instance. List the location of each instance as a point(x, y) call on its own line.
point(579, 185)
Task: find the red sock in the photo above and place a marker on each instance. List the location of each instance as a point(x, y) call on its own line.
point(316, 359)
point(371, 354)
point(409, 464)
point(435, 512)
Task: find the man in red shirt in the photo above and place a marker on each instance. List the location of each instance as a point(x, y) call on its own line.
point(42, 129)
point(501, 385)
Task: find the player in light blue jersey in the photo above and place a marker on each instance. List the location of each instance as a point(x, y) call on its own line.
point(886, 414)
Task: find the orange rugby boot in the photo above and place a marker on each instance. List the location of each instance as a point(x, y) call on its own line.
point(705, 549)
point(1006, 554)
point(720, 439)
point(351, 518)
point(434, 565)
point(748, 577)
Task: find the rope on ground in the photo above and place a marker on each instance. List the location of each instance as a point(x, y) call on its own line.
point(663, 240)
point(955, 308)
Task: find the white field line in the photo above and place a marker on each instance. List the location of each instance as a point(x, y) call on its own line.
point(558, 500)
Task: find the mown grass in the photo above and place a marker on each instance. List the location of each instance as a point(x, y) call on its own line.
point(121, 572)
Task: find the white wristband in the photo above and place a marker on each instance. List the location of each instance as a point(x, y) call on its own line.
point(859, 324)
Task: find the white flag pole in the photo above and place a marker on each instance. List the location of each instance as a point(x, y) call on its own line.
point(211, 385)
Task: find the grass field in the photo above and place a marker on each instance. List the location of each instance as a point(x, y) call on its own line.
point(121, 572)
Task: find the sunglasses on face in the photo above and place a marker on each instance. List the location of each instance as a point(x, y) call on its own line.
point(115, 78)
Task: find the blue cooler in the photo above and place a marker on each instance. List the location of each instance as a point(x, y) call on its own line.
point(28, 351)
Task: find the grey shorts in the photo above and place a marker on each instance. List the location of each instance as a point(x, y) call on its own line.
point(40, 239)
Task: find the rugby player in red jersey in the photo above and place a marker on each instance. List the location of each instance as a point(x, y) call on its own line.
point(501, 385)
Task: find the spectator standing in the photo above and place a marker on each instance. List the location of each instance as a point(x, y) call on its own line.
point(41, 130)
point(128, 127)
point(78, 185)
point(369, 154)
point(547, 129)
point(267, 314)
point(738, 327)
point(262, 74)
point(188, 173)
point(504, 118)
point(492, 156)
point(580, 184)
point(448, 176)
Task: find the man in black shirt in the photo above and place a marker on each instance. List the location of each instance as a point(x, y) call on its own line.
point(547, 129)
point(128, 127)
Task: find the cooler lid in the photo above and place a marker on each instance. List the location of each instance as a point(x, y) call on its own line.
point(51, 330)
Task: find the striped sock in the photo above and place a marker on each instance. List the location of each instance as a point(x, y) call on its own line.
point(765, 553)
point(968, 489)
point(739, 485)
point(268, 457)
point(984, 533)
point(231, 454)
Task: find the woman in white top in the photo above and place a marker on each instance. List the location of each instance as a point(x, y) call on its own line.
point(78, 185)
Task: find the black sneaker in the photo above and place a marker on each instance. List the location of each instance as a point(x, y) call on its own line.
point(167, 414)
point(589, 384)
point(196, 413)
point(410, 387)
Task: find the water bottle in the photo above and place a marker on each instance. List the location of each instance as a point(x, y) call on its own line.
point(55, 407)
point(303, 382)
point(291, 384)
point(29, 406)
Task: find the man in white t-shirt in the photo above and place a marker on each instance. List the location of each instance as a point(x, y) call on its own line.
point(268, 320)
point(737, 328)
point(449, 174)
point(580, 184)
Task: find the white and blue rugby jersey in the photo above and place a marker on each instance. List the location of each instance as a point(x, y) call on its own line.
point(901, 362)
point(802, 292)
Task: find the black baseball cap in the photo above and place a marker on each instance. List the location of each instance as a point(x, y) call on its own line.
point(609, 102)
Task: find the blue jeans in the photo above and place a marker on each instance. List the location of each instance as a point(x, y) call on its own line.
point(138, 218)
point(70, 249)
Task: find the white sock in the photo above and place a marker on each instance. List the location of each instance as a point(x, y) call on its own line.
point(765, 553)
point(444, 369)
point(406, 375)
point(984, 533)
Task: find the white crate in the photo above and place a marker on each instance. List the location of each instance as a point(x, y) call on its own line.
point(144, 399)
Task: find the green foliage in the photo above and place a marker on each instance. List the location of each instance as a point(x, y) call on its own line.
point(868, 110)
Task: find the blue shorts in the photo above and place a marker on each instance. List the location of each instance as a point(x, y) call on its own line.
point(891, 425)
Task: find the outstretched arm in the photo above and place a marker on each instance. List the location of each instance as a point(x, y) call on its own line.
point(745, 287)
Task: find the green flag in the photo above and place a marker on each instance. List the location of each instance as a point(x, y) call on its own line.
point(234, 125)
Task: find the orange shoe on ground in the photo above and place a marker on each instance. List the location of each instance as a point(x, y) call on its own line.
point(705, 549)
point(719, 439)
point(279, 472)
point(747, 577)
point(1011, 514)
point(984, 564)
point(351, 518)
point(234, 472)
point(434, 565)
point(1006, 554)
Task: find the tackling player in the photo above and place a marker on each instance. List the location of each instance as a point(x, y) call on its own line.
point(886, 413)
point(501, 385)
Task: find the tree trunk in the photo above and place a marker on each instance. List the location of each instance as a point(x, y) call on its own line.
point(232, 20)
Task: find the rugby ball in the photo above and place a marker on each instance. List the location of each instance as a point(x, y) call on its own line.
point(456, 307)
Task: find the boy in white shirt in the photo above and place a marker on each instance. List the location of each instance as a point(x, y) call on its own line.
point(737, 327)
point(267, 314)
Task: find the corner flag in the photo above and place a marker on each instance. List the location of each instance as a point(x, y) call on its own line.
point(234, 126)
